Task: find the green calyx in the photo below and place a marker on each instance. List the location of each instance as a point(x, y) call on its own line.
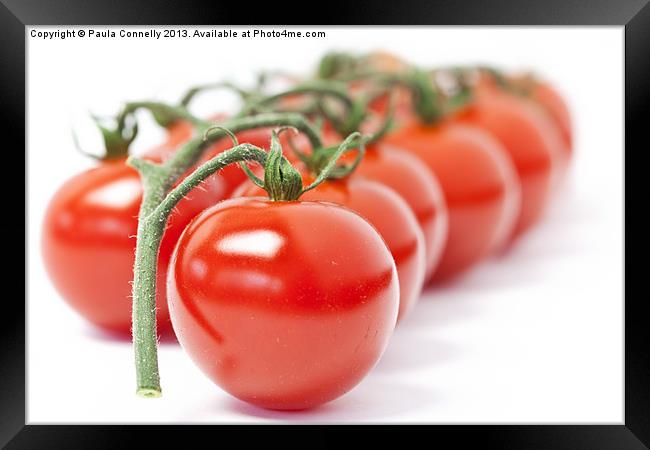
point(117, 139)
point(324, 161)
point(425, 97)
point(337, 64)
point(283, 182)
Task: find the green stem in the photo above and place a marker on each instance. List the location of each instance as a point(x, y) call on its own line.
point(239, 153)
point(426, 99)
point(156, 206)
point(355, 110)
point(144, 299)
point(316, 87)
point(193, 92)
point(163, 113)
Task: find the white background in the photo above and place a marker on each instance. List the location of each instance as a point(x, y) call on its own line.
point(534, 335)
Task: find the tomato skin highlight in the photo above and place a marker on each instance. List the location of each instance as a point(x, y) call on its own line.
point(479, 183)
point(391, 217)
point(285, 305)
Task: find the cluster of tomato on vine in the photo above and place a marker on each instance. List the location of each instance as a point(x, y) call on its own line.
point(282, 244)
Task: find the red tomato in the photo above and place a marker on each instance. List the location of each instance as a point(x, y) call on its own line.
point(88, 240)
point(479, 185)
point(545, 96)
point(555, 106)
point(389, 214)
point(531, 140)
point(285, 305)
point(407, 176)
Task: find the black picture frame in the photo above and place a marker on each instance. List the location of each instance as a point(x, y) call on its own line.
point(634, 15)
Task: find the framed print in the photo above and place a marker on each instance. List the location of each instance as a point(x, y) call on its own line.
point(417, 225)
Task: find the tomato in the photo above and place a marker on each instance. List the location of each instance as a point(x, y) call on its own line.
point(544, 95)
point(389, 214)
point(555, 106)
point(418, 186)
point(88, 240)
point(479, 184)
point(407, 176)
point(285, 305)
point(531, 140)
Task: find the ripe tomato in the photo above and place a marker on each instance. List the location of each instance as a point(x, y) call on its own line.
point(389, 214)
point(479, 185)
point(531, 140)
point(407, 176)
point(545, 96)
point(285, 305)
point(88, 240)
point(555, 106)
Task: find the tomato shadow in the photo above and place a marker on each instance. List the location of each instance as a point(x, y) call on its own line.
point(414, 350)
point(418, 342)
point(438, 307)
point(166, 337)
point(373, 399)
point(523, 261)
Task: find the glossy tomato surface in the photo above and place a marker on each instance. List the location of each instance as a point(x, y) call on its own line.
point(389, 214)
point(88, 241)
point(479, 184)
point(285, 305)
point(532, 141)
